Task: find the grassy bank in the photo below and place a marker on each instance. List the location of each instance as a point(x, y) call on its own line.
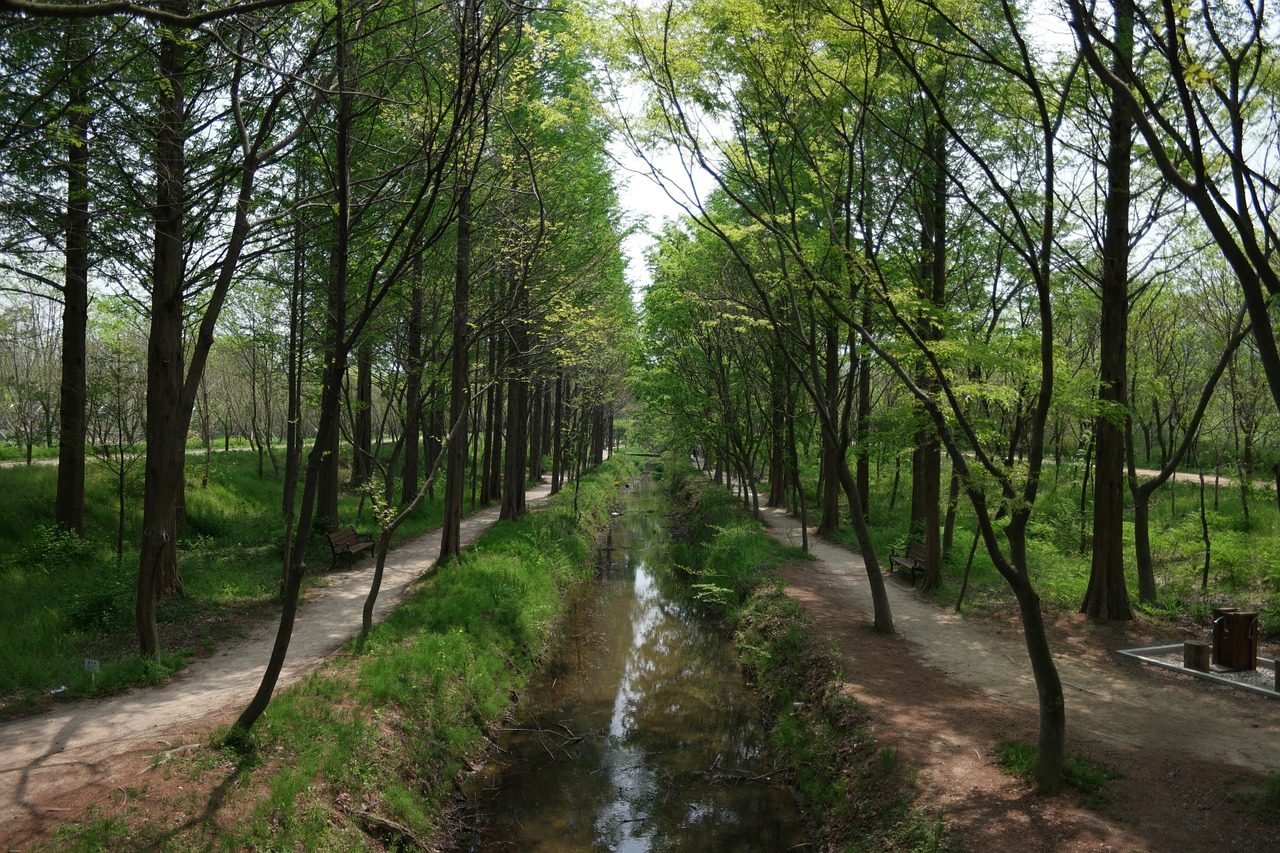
point(856, 793)
point(364, 754)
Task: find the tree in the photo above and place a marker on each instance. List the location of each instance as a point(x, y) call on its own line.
point(1208, 120)
point(1107, 597)
point(117, 399)
point(450, 131)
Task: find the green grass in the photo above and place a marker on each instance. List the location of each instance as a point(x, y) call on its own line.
point(396, 721)
point(1091, 778)
point(364, 754)
point(64, 599)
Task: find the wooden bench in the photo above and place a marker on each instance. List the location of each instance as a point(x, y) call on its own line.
point(914, 561)
point(347, 541)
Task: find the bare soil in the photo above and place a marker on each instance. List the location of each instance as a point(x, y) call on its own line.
point(946, 691)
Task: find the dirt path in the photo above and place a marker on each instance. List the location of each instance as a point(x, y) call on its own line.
point(947, 690)
point(57, 764)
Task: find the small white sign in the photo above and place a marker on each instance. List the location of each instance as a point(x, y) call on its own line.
point(91, 665)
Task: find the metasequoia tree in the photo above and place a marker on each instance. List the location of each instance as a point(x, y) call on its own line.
point(47, 114)
point(180, 89)
point(1107, 597)
point(1207, 115)
point(439, 145)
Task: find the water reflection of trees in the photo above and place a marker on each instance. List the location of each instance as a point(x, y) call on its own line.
point(652, 742)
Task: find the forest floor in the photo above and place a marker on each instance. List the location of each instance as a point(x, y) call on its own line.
point(946, 691)
point(100, 754)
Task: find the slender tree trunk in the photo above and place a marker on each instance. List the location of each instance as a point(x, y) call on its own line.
point(293, 427)
point(459, 389)
point(535, 431)
point(558, 436)
point(779, 459)
point(413, 390)
point(862, 427)
point(517, 412)
point(831, 449)
point(362, 434)
point(949, 523)
point(513, 505)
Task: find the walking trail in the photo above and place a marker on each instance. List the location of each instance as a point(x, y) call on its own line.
point(54, 766)
point(945, 690)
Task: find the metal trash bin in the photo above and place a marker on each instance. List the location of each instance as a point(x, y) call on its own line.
point(1235, 639)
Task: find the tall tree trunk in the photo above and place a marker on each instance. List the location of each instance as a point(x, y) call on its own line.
point(488, 459)
point(517, 410)
point(459, 388)
point(926, 464)
point(779, 461)
point(513, 505)
point(432, 441)
point(157, 564)
point(832, 451)
point(293, 426)
point(362, 420)
point(413, 390)
point(862, 429)
point(69, 504)
point(558, 436)
point(535, 431)
point(1106, 597)
point(949, 521)
point(597, 435)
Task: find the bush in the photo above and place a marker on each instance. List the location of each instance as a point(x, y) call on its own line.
point(103, 603)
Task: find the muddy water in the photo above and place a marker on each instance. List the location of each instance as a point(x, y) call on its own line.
point(642, 735)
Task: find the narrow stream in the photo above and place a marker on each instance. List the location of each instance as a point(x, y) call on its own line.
point(642, 735)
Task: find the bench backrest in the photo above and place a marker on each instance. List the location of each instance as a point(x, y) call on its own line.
point(345, 536)
point(917, 551)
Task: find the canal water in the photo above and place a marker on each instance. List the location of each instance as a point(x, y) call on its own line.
point(641, 735)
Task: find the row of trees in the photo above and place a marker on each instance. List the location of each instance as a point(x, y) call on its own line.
point(932, 225)
point(382, 222)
